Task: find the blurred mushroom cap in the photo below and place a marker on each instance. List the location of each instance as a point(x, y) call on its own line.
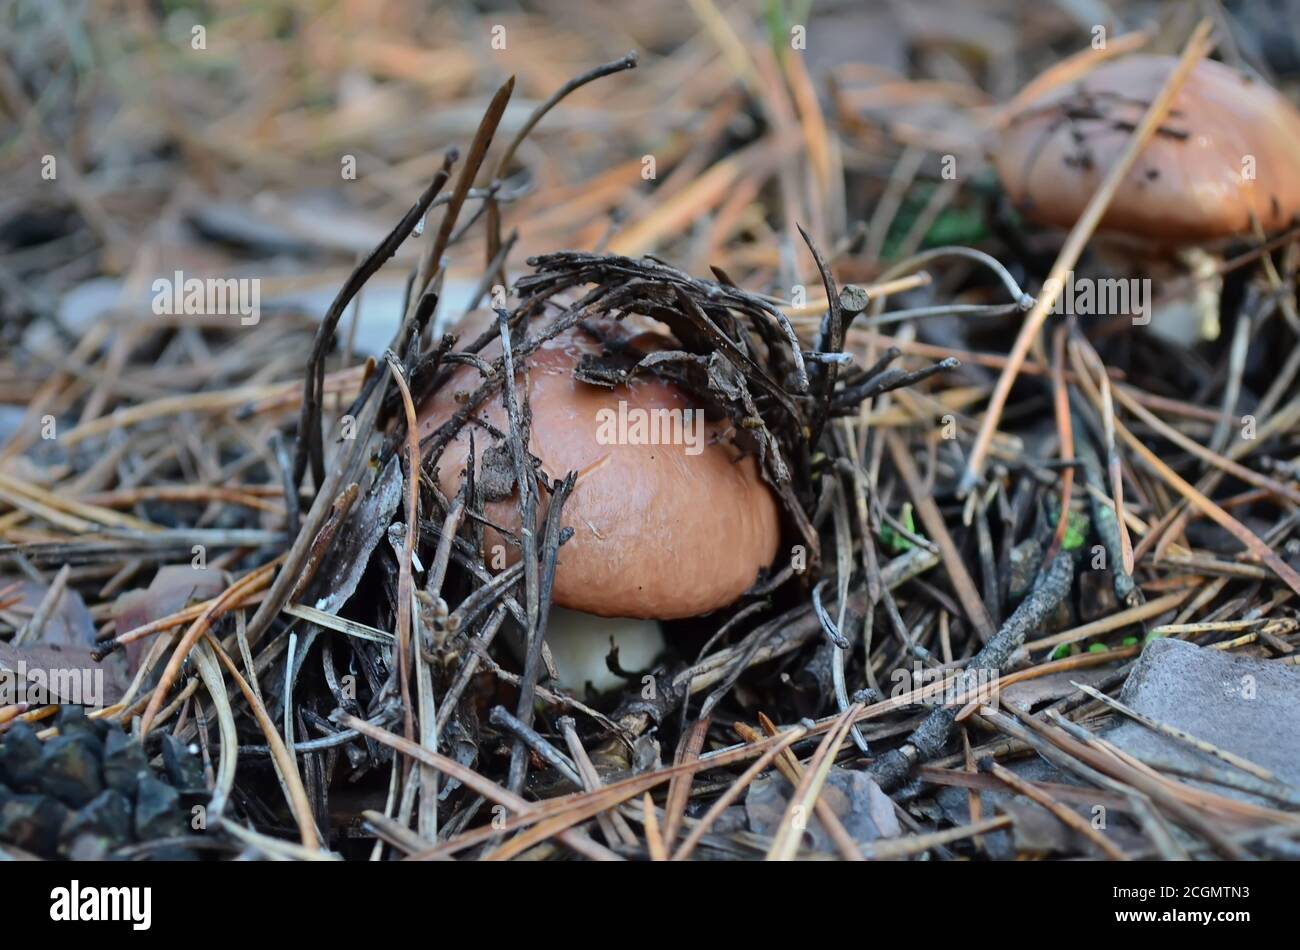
point(661, 531)
point(1228, 148)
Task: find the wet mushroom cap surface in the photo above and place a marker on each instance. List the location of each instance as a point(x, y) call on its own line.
point(661, 531)
point(1228, 148)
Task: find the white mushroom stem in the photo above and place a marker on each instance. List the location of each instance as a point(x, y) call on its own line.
point(580, 642)
point(1209, 287)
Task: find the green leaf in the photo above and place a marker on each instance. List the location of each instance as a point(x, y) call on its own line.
point(898, 543)
point(1097, 648)
point(1076, 530)
point(957, 226)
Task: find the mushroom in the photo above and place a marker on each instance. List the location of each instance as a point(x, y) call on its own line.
point(671, 516)
point(1227, 155)
point(1227, 151)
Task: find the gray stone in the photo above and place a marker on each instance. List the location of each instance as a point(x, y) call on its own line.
point(184, 768)
point(72, 721)
point(124, 762)
point(954, 803)
point(862, 808)
point(31, 822)
point(20, 758)
point(1243, 704)
point(107, 816)
point(71, 771)
point(157, 810)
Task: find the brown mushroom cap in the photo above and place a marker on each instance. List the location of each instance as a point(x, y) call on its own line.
point(658, 533)
point(1193, 180)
